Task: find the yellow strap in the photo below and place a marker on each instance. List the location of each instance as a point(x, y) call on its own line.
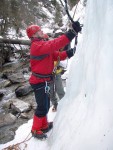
point(58, 71)
point(56, 63)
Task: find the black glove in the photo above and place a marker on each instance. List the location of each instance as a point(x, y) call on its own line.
point(70, 34)
point(76, 26)
point(71, 52)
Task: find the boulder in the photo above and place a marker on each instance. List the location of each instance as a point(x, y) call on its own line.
point(20, 106)
point(16, 78)
point(7, 119)
point(23, 90)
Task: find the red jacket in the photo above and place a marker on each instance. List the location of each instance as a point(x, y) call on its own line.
point(46, 65)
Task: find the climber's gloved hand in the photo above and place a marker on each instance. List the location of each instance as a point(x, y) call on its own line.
point(76, 27)
point(71, 52)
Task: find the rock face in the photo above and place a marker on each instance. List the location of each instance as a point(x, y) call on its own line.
point(13, 111)
point(16, 113)
point(5, 54)
point(7, 119)
point(16, 78)
point(1, 95)
point(4, 83)
point(20, 106)
point(23, 90)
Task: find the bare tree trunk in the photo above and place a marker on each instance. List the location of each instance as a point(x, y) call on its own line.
point(15, 41)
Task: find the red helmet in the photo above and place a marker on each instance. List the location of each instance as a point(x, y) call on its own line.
point(32, 29)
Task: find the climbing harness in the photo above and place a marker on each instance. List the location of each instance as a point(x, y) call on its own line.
point(42, 75)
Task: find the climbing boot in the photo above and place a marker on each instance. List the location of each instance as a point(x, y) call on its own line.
point(39, 134)
point(46, 126)
point(36, 128)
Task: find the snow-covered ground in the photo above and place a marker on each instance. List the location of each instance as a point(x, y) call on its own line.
point(24, 133)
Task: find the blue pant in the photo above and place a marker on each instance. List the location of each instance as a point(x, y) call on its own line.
point(42, 99)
